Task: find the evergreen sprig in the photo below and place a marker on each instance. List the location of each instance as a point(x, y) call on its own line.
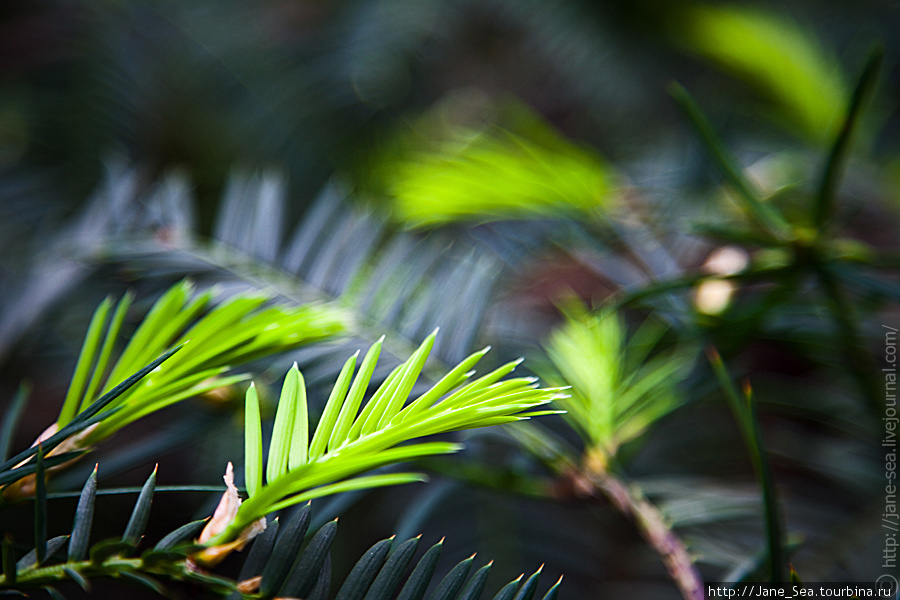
point(238, 330)
point(352, 438)
point(285, 561)
point(618, 388)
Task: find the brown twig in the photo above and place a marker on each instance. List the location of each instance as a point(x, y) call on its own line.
point(594, 480)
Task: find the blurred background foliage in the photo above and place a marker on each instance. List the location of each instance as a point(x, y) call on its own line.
point(475, 165)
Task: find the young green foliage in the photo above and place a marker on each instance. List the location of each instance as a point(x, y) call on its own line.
point(253, 457)
point(299, 469)
point(518, 167)
point(617, 391)
point(236, 331)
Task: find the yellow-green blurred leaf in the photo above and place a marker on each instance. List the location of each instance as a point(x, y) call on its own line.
point(776, 54)
point(514, 166)
point(620, 384)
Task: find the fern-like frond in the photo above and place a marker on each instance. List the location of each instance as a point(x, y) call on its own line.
point(276, 567)
point(238, 330)
point(114, 557)
point(617, 391)
point(353, 437)
point(283, 562)
point(394, 281)
point(18, 474)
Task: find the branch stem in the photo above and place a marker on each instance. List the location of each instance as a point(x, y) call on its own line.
point(652, 525)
